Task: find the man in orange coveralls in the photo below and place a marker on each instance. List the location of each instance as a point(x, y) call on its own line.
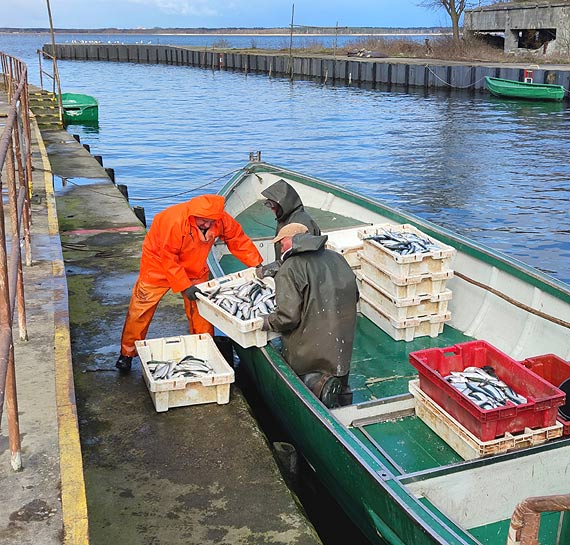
point(174, 256)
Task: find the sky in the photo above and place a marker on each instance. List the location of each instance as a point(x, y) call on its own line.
point(218, 13)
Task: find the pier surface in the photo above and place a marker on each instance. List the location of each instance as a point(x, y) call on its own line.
point(100, 464)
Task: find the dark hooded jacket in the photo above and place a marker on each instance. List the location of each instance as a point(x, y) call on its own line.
point(291, 211)
point(316, 297)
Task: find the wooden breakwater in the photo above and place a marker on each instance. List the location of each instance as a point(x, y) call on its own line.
point(422, 73)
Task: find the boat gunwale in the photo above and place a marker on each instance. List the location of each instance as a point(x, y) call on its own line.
point(458, 467)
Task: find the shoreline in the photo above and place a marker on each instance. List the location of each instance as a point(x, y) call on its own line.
point(257, 34)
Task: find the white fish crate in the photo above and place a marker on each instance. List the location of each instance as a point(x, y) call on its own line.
point(434, 261)
point(407, 286)
point(209, 388)
point(245, 332)
point(466, 444)
point(347, 243)
point(402, 309)
point(403, 330)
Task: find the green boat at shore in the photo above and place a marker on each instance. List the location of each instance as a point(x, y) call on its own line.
point(508, 88)
point(79, 109)
point(404, 476)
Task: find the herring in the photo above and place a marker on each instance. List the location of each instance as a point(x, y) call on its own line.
point(187, 367)
point(247, 301)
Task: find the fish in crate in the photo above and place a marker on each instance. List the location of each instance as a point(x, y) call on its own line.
point(246, 301)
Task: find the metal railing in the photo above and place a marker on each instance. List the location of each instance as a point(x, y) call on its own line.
point(15, 182)
point(525, 522)
point(56, 85)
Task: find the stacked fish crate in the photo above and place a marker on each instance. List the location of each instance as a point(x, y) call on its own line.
point(347, 243)
point(403, 273)
point(481, 401)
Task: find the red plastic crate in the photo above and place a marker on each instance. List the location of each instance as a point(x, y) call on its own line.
point(543, 398)
point(553, 369)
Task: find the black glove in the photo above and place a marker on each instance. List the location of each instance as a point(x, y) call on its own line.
point(268, 270)
point(191, 292)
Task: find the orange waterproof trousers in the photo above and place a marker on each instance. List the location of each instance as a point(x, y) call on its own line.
point(144, 300)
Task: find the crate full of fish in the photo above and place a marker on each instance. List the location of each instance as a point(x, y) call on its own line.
point(404, 287)
point(403, 330)
point(403, 250)
point(555, 370)
point(485, 390)
point(403, 309)
point(184, 370)
point(235, 305)
point(462, 441)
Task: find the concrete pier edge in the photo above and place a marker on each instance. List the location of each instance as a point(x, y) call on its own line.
point(73, 498)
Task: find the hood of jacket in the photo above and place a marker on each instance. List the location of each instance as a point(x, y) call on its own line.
point(206, 206)
point(285, 196)
point(306, 242)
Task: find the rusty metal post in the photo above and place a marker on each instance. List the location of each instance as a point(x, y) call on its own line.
point(15, 215)
point(12, 414)
point(26, 178)
point(11, 274)
point(6, 344)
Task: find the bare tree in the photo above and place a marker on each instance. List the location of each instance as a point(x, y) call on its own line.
point(454, 9)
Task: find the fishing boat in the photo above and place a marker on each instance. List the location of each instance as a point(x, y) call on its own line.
point(79, 109)
point(397, 477)
point(508, 88)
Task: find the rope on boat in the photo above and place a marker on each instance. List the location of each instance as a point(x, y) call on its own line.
point(518, 304)
point(188, 190)
point(449, 84)
point(197, 188)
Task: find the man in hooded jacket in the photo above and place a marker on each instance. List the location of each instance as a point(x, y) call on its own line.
point(286, 204)
point(316, 296)
point(174, 255)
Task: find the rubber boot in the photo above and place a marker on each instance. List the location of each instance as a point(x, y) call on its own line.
point(325, 386)
point(345, 396)
point(124, 363)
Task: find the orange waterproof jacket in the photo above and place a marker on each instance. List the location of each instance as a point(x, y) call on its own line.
point(174, 251)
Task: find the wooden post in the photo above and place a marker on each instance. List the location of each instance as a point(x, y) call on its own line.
point(290, 68)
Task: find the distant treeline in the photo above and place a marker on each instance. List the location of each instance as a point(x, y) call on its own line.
point(251, 30)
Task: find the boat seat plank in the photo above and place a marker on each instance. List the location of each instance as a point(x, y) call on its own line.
point(409, 443)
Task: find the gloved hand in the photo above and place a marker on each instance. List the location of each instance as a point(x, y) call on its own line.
point(268, 270)
point(266, 326)
point(191, 292)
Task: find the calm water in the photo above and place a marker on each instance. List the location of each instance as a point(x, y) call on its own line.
point(492, 170)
